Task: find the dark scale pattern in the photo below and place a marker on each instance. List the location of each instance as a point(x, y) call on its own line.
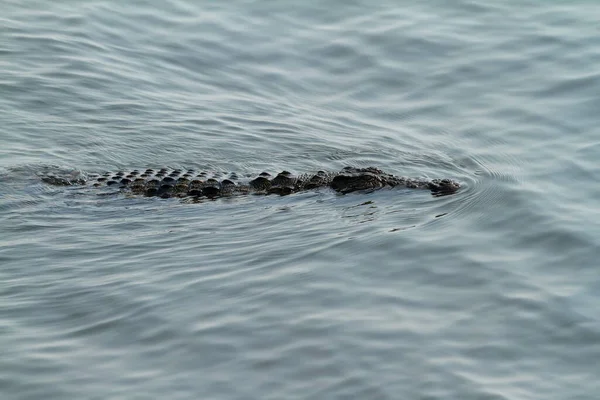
point(183, 183)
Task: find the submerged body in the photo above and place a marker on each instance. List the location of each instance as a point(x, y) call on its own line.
point(178, 183)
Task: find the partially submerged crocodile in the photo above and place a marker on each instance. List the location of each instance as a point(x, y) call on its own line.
point(179, 183)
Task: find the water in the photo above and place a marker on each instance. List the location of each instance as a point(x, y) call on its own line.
point(487, 294)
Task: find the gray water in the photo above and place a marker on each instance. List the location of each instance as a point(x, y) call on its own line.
point(491, 293)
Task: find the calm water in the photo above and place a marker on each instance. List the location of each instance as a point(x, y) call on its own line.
point(491, 293)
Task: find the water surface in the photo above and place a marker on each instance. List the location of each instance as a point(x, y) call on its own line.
point(487, 294)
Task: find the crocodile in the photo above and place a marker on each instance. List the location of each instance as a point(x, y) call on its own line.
point(167, 182)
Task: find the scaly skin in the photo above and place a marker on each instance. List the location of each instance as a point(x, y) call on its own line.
point(177, 183)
